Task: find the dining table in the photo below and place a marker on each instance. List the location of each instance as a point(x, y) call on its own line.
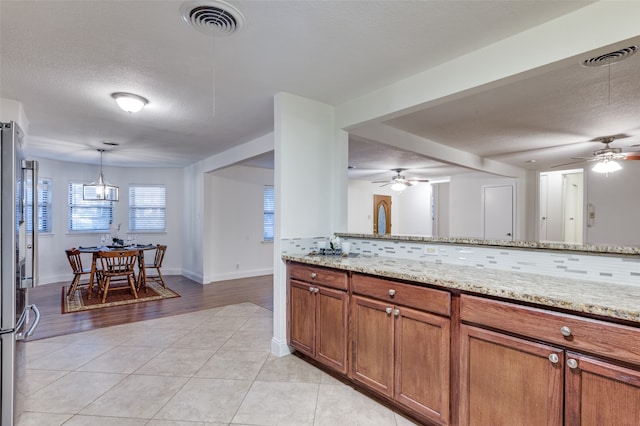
point(141, 280)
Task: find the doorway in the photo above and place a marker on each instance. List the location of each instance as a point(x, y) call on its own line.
point(561, 206)
point(381, 214)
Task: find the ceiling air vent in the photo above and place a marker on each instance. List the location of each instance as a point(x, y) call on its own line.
point(212, 17)
point(611, 57)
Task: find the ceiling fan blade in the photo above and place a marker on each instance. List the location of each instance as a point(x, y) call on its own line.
point(631, 155)
point(388, 183)
point(380, 181)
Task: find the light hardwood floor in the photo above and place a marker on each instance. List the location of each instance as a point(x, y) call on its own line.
point(194, 297)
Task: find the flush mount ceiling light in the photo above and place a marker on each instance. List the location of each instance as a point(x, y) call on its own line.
point(129, 102)
point(100, 190)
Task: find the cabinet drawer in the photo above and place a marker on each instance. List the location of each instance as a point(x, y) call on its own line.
point(598, 337)
point(414, 296)
point(316, 274)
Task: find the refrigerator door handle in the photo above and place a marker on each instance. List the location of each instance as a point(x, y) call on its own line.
point(34, 325)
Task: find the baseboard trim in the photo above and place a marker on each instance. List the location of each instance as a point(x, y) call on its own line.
point(280, 347)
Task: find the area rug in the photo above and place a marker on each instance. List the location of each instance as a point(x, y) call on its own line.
point(78, 302)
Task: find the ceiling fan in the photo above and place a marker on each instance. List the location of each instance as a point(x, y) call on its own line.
point(606, 157)
point(399, 182)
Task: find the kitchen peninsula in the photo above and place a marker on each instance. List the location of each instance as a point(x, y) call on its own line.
point(457, 344)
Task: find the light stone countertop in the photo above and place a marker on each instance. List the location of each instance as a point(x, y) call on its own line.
point(527, 245)
point(598, 298)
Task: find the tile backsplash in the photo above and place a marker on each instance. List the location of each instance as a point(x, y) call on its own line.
point(592, 267)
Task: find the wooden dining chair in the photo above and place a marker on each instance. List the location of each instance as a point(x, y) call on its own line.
point(157, 264)
point(117, 266)
point(75, 260)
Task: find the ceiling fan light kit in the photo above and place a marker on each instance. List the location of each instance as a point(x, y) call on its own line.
point(606, 166)
point(398, 186)
point(399, 182)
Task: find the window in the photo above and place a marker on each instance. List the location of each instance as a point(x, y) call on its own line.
point(147, 207)
point(44, 205)
point(88, 215)
point(269, 207)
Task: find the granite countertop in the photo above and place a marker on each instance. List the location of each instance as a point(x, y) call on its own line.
point(611, 300)
point(528, 245)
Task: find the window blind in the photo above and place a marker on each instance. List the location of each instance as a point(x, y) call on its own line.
point(147, 207)
point(269, 208)
point(44, 205)
point(88, 215)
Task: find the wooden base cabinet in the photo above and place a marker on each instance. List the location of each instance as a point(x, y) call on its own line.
point(508, 380)
point(317, 321)
point(600, 393)
point(403, 354)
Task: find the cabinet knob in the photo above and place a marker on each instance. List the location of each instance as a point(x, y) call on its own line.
point(311, 289)
point(388, 311)
point(316, 290)
point(313, 275)
point(392, 292)
point(565, 331)
point(396, 312)
point(572, 363)
point(554, 358)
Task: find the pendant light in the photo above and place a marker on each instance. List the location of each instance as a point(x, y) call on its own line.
point(100, 190)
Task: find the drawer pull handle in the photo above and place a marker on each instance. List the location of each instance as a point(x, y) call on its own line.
point(572, 363)
point(388, 311)
point(313, 275)
point(396, 312)
point(565, 331)
point(392, 292)
point(554, 358)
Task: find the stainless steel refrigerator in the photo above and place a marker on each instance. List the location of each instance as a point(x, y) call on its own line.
point(18, 267)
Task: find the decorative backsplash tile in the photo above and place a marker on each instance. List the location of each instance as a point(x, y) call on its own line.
point(593, 267)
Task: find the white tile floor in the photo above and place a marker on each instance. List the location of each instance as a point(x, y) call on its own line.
point(209, 367)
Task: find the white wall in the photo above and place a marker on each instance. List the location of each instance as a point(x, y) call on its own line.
point(410, 209)
point(198, 232)
point(466, 208)
point(310, 186)
point(616, 199)
point(414, 211)
point(236, 217)
point(53, 262)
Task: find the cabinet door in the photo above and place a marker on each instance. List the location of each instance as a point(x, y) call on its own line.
point(331, 328)
point(302, 317)
point(600, 393)
point(372, 339)
point(509, 381)
point(422, 367)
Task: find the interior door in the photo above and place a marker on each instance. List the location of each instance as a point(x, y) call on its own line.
point(498, 212)
point(381, 214)
point(572, 208)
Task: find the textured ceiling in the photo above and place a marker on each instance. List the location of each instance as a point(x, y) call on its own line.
point(63, 59)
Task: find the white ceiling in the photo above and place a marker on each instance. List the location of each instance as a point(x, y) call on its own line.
point(63, 59)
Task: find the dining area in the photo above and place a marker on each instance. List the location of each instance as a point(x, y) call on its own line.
point(109, 275)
